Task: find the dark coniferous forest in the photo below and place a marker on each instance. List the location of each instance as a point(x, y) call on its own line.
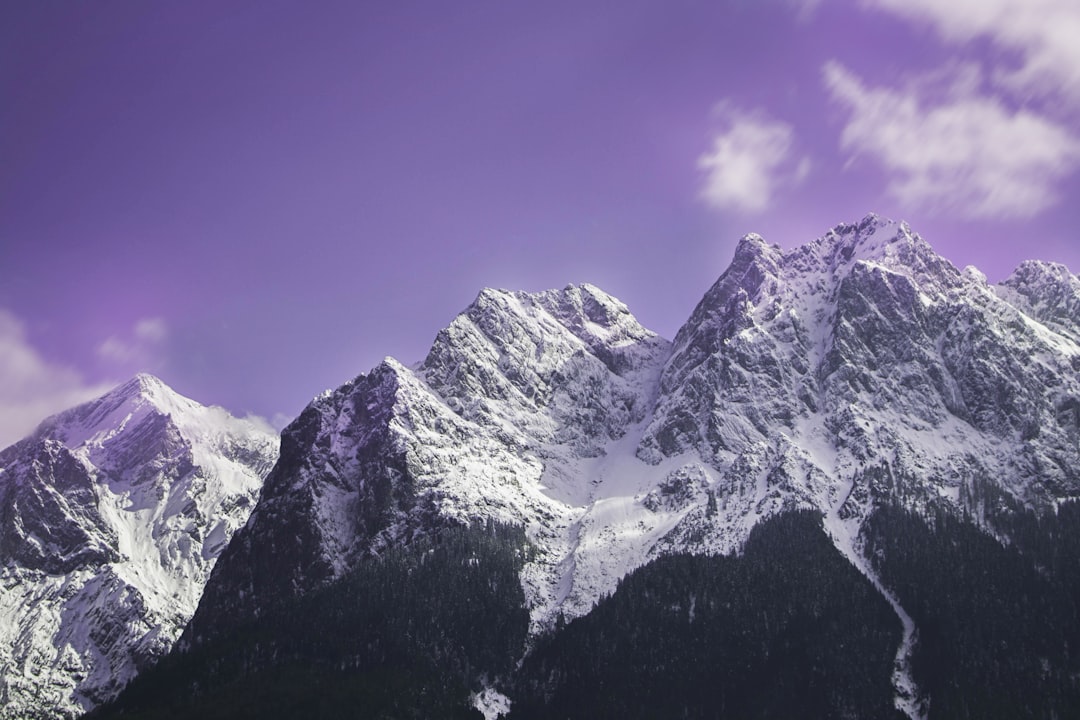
point(999, 635)
point(788, 628)
point(405, 635)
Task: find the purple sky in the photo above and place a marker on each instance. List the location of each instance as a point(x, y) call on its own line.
point(259, 200)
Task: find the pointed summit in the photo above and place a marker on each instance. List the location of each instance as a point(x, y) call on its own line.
point(146, 386)
point(752, 247)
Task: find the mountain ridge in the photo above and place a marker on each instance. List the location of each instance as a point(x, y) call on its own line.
point(856, 377)
point(856, 370)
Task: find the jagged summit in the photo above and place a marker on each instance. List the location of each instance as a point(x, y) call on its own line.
point(874, 239)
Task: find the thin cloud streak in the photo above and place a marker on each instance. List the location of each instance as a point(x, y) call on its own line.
point(966, 153)
point(1043, 32)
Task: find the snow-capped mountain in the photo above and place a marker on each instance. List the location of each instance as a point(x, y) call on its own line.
point(797, 372)
point(112, 515)
point(854, 371)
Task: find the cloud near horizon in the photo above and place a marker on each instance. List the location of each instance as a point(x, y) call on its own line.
point(749, 162)
point(965, 152)
point(31, 388)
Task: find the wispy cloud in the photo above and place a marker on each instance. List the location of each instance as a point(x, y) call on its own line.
point(749, 161)
point(1042, 32)
point(804, 9)
point(140, 350)
point(31, 388)
point(964, 152)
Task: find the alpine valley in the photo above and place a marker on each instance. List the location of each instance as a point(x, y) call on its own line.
point(849, 488)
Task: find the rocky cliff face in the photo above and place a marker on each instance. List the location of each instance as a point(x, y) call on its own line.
point(112, 515)
point(863, 367)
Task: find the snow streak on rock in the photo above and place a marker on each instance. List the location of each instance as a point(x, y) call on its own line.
point(909, 699)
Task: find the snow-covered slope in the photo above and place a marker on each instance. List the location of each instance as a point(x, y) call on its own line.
point(111, 516)
point(858, 369)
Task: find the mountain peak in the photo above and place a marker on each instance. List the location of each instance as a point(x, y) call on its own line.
point(876, 241)
point(564, 318)
point(121, 407)
point(1035, 270)
point(753, 249)
point(147, 388)
point(873, 238)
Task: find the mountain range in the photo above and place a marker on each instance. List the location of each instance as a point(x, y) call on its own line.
point(847, 488)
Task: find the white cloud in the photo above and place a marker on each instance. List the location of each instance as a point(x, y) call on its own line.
point(966, 152)
point(1043, 32)
point(31, 388)
point(141, 351)
point(151, 330)
point(749, 161)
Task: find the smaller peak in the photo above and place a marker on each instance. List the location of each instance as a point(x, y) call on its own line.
point(497, 301)
point(147, 380)
point(873, 220)
point(752, 246)
point(489, 294)
point(1034, 270)
point(149, 384)
point(611, 304)
point(392, 364)
point(575, 305)
point(752, 241)
point(104, 417)
point(873, 238)
point(974, 274)
point(868, 226)
point(392, 373)
point(588, 291)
